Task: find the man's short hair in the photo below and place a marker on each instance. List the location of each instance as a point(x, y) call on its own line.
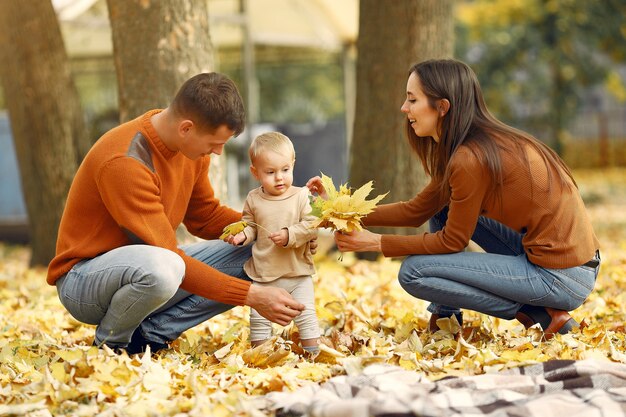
point(211, 100)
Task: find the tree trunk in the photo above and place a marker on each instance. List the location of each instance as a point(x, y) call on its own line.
point(46, 117)
point(157, 46)
point(393, 35)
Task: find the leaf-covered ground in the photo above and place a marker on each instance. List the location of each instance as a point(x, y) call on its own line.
point(48, 367)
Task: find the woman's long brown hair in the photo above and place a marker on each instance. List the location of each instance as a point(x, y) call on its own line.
point(469, 122)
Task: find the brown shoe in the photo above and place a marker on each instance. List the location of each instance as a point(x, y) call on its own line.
point(552, 320)
point(432, 323)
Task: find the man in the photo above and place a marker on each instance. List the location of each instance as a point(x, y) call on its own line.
point(117, 262)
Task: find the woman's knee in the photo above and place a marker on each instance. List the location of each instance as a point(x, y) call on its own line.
point(409, 275)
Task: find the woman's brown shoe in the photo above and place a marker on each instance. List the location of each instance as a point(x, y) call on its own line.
point(552, 320)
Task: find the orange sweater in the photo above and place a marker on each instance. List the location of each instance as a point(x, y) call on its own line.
point(132, 189)
point(558, 232)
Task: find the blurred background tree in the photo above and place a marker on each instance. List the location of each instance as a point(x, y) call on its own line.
point(47, 121)
point(391, 39)
point(157, 46)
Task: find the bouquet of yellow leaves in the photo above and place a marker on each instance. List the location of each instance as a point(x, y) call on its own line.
point(342, 210)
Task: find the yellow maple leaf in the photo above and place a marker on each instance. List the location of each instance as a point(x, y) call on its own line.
point(233, 228)
point(267, 354)
point(343, 210)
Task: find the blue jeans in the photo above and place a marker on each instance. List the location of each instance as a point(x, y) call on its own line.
point(137, 286)
point(497, 282)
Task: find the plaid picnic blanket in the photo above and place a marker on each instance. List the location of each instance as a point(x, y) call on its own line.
point(560, 388)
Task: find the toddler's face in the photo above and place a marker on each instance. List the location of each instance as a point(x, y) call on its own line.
point(274, 171)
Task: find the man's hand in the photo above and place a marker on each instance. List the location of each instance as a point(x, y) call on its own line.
point(275, 304)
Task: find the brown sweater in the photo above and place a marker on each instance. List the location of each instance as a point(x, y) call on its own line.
point(132, 189)
point(558, 232)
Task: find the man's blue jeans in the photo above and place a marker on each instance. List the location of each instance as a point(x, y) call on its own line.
point(497, 282)
point(137, 286)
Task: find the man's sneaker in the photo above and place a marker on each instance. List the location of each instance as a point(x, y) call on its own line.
point(138, 344)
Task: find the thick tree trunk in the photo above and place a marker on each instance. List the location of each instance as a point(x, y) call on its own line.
point(46, 118)
point(157, 46)
point(393, 35)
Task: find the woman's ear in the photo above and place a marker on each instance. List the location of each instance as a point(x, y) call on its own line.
point(443, 107)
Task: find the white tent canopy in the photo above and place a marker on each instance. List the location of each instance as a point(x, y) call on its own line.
point(326, 24)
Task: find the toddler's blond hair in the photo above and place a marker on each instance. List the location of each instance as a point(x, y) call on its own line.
point(270, 141)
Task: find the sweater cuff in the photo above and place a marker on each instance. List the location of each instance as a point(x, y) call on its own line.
point(237, 292)
point(396, 245)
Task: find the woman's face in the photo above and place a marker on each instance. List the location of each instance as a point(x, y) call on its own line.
point(423, 118)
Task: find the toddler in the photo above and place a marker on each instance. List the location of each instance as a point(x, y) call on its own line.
point(278, 217)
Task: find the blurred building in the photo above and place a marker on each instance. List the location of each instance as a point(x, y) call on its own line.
point(13, 217)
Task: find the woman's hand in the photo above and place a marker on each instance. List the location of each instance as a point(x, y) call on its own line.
point(315, 187)
point(364, 241)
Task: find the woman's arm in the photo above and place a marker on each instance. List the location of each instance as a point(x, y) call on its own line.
point(412, 213)
point(469, 183)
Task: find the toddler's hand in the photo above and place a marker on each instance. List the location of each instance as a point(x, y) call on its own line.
point(237, 239)
point(280, 238)
point(315, 187)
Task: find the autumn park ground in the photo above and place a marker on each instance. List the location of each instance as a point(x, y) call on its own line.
point(48, 367)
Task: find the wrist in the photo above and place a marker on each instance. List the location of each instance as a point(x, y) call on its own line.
point(379, 243)
point(252, 291)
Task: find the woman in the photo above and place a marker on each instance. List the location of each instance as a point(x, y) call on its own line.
point(497, 186)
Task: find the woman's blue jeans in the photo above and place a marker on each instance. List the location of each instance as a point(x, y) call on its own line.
point(497, 282)
point(137, 286)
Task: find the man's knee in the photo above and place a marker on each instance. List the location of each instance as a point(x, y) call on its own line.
point(163, 273)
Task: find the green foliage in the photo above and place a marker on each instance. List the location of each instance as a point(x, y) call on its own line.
point(301, 92)
point(296, 85)
point(536, 58)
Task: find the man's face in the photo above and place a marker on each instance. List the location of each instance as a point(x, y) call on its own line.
point(195, 144)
